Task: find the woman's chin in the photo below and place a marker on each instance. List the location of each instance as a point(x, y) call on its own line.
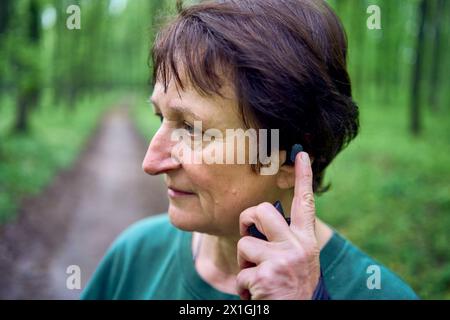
point(183, 219)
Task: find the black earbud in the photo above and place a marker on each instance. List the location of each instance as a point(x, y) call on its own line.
point(290, 157)
point(320, 293)
point(252, 230)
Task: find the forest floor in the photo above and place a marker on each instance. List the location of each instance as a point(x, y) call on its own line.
point(75, 219)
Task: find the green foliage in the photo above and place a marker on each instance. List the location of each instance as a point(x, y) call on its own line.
point(384, 59)
point(390, 191)
point(390, 196)
point(146, 121)
point(73, 71)
point(29, 161)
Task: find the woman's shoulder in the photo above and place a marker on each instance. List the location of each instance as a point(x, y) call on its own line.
point(350, 273)
point(142, 245)
point(150, 231)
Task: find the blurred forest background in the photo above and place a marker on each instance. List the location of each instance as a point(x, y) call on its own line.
point(390, 188)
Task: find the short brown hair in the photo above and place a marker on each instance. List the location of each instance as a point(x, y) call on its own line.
point(286, 60)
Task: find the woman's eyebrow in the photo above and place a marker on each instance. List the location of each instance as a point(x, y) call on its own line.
point(186, 111)
point(180, 109)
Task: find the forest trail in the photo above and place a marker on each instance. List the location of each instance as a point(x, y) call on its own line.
point(75, 219)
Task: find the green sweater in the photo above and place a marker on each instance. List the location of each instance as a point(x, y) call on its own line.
point(153, 260)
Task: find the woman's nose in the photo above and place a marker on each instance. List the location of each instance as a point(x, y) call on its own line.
point(158, 158)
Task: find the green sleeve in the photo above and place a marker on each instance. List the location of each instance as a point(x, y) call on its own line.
point(126, 269)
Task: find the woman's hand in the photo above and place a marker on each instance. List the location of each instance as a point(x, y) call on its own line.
point(286, 266)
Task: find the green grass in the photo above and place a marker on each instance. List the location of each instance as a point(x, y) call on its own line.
point(29, 161)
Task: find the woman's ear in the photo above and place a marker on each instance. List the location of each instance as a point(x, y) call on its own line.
point(286, 177)
point(286, 173)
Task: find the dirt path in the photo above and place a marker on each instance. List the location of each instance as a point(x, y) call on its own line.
point(76, 218)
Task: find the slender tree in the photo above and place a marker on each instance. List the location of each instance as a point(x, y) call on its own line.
point(417, 72)
point(5, 12)
point(27, 65)
point(4, 15)
point(436, 59)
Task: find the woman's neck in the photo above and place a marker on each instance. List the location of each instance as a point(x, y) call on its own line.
point(216, 257)
point(216, 261)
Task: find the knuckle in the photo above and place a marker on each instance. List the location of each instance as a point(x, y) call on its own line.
point(261, 209)
point(264, 274)
point(294, 259)
point(308, 199)
point(264, 206)
point(242, 243)
point(283, 263)
point(244, 214)
point(240, 279)
point(308, 174)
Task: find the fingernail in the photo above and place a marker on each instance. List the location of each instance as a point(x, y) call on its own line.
point(305, 157)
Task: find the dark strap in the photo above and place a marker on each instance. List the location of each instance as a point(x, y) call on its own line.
point(321, 292)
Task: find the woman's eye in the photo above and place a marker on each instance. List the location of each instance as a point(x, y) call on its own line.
point(189, 128)
point(192, 130)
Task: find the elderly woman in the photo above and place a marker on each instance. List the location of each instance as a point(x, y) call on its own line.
point(278, 65)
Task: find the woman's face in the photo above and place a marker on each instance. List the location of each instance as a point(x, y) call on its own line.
point(210, 197)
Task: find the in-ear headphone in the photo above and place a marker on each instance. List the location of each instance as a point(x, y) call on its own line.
point(290, 157)
point(252, 230)
point(320, 293)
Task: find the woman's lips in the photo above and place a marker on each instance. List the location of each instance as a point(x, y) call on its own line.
point(172, 192)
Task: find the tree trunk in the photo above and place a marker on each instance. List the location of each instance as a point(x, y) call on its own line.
point(436, 57)
point(29, 91)
point(417, 72)
point(21, 125)
point(5, 6)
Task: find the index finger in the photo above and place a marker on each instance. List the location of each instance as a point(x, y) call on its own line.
point(303, 212)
